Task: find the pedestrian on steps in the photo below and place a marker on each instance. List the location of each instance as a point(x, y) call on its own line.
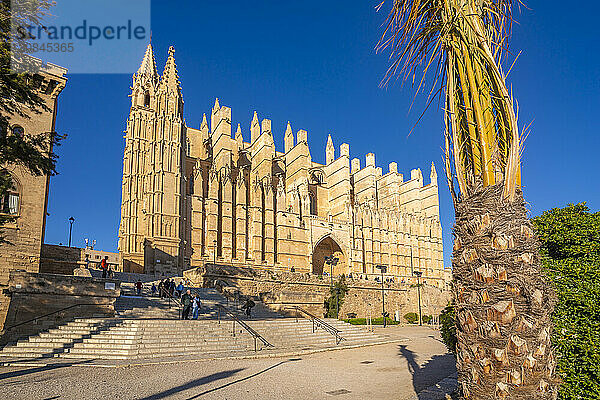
point(186, 301)
point(138, 287)
point(248, 306)
point(153, 289)
point(195, 306)
point(179, 289)
point(104, 266)
point(161, 288)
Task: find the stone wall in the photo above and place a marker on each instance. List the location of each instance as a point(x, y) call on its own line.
point(63, 260)
point(24, 235)
point(34, 295)
point(283, 290)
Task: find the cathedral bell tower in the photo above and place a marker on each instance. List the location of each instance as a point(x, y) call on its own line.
point(150, 233)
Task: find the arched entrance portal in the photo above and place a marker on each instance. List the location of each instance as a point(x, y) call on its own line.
point(327, 247)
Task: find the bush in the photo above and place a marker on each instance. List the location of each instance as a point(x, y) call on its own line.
point(411, 317)
point(374, 321)
point(336, 297)
point(448, 328)
point(427, 319)
point(570, 251)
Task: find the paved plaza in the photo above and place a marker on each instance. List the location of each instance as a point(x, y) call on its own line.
point(400, 370)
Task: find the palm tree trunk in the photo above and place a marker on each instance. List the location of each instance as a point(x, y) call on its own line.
point(503, 301)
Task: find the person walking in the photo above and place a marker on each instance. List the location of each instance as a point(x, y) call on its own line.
point(179, 289)
point(195, 306)
point(153, 289)
point(248, 307)
point(138, 287)
point(104, 266)
point(161, 288)
point(186, 301)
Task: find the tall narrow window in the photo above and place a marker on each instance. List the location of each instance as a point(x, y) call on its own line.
point(233, 219)
point(246, 236)
point(9, 203)
point(263, 241)
point(220, 221)
point(18, 130)
point(147, 99)
point(300, 206)
point(275, 224)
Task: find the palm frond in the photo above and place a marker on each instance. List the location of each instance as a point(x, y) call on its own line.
point(466, 41)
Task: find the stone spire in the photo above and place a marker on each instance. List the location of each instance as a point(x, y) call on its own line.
point(254, 128)
point(170, 77)
point(289, 137)
point(330, 151)
point(217, 106)
point(204, 124)
point(147, 69)
point(238, 135)
point(433, 174)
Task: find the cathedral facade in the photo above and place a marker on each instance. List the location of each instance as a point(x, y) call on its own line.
point(210, 195)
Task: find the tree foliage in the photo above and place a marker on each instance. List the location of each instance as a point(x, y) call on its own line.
point(570, 250)
point(20, 97)
point(336, 297)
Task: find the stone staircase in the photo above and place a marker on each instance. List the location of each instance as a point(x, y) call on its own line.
point(148, 327)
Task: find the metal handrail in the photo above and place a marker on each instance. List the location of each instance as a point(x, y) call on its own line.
point(46, 315)
point(319, 323)
point(244, 325)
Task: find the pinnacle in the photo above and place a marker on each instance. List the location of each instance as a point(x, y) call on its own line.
point(255, 117)
point(148, 66)
point(288, 129)
point(329, 141)
point(238, 133)
point(204, 123)
point(170, 76)
point(217, 105)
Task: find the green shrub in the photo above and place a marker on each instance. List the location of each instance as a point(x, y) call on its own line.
point(427, 319)
point(448, 328)
point(336, 297)
point(570, 239)
point(411, 317)
point(374, 321)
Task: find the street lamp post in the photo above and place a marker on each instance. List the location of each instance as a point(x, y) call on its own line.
point(418, 274)
point(332, 261)
point(383, 270)
point(71, 220)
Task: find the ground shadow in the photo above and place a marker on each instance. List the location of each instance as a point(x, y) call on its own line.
point(242, 379)
point(49, 367)
point(434, 370)
point(195, 383)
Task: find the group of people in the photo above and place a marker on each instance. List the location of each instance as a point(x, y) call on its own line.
point(168, 288)
point(190, 303)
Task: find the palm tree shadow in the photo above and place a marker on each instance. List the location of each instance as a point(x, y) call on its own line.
point(434, 370)
point(192, 384)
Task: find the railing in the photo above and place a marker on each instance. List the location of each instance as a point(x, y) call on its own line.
point(44, 316)
point(244, 325)
point(319, 323)
point(170, 297)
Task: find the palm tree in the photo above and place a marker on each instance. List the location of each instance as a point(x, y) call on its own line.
point(503, 301)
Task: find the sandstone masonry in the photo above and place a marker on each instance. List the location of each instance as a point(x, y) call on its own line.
point(197, 196)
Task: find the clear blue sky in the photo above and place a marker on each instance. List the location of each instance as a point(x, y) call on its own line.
point(313, 63)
